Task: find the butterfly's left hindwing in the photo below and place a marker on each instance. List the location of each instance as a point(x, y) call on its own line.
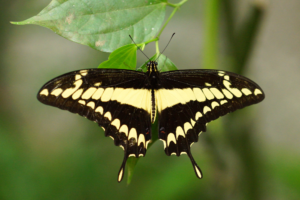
point(118, 100)
point(189, 99)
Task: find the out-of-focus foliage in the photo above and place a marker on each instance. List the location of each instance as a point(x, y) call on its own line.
point(46, 153)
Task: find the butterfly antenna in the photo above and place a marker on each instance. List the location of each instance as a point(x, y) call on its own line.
point(138, 47)
point(166, 46)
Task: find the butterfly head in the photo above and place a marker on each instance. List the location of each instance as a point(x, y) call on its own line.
point(152, 66)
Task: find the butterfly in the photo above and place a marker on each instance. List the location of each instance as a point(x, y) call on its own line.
point(125, 103)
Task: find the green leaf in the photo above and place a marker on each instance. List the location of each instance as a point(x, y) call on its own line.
point(132, 161)
point(102, 24)
point(122, 58)
point(164, 64)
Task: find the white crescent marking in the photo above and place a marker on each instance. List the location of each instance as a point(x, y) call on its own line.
point(99, 109)
point(171, 137)
point(132, 134)
point(91, 104)
point(116, 123)
point(179, 131)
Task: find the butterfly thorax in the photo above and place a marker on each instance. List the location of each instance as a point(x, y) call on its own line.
point(153, 74)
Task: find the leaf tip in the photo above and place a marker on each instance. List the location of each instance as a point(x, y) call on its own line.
point(21, 23)
point(15, 23)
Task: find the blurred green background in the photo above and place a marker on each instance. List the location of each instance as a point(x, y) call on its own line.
point(46, 153)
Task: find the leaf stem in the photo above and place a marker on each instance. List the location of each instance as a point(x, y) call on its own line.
point(156, 39)
point(211, 23)
point(157, 48)
point(152, 40)
point(177, 4)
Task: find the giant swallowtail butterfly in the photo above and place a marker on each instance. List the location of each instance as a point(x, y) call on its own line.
point(125, 103)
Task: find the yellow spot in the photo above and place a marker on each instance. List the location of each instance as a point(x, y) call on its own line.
point(77, 94)
point(227, 94)
point(120, 174)
point(91, 105)
point(68, 92)
point(171, 138)
point(226, 77)
point(98, 84)
point(44, 92)
point(187, 127)
point(81, 102)
point(132, 155)
point(199, 94)
point(193, 122)
point(116, 123)
point(214, 104)
point(217, 93)
point(107, 94)
point(221, 73)
point(170, 97)
point(108, 115)
point(141, 139)
point(182, 153)
point(77, 77)
point(246, 91)
point(140, 98)
point(132, 134)
point(198, 172)
point(88, 93)
point(57, 92)
point(179, 131)
point(257, 91)
point(223, 102)
point(236, 92)
point(124, 129)
point(198, 115)
point(99, 109)
point(207, 84)
point(141, 155)
point(83, 72)
point(208, 94)
point(206, 109)
point(97, 95)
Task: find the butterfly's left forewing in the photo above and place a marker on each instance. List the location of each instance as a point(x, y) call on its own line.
point(188, 100)
point(118, 100)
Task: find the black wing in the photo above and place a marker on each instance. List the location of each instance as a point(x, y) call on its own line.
point(188, 100)
point(118, 100)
